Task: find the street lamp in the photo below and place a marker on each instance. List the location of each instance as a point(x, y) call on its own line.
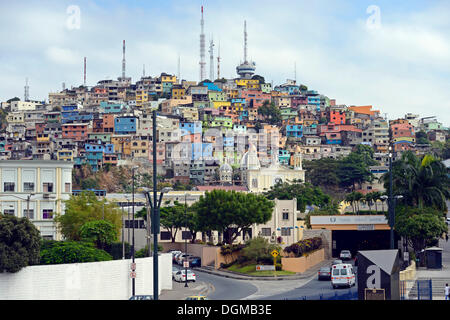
point(185, 241)
point(133, 268)
point(150, 206)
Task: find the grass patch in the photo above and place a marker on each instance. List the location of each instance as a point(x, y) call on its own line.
point(251, 270)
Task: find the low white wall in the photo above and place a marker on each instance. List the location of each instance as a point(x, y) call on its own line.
point(109, 280)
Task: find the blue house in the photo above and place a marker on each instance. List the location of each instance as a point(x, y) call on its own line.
point(125, 125)
point(190, 127)
point(211, 86)
point(111, 107)
point(295, 130)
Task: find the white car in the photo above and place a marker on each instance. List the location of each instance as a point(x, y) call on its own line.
point(345, 255)
point(174, 271)
point(342, 275)
point(180, 276)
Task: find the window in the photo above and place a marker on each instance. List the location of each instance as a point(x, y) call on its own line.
point(8, 212)
point(165, 235)
point(67, 187)
point(47, 187)
point(266, 232)
point(28, 213)
point(28, 186)
point(47, 214)
point(9, 187)
point(285, 231)
point(285, 215)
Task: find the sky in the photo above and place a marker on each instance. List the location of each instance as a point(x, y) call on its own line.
point(394, 55)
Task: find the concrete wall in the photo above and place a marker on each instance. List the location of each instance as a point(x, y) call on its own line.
point(109, 280)
point(326, 239)
point(303, 263)
point(206, 253)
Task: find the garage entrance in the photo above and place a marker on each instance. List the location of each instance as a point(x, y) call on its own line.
point(354, 240)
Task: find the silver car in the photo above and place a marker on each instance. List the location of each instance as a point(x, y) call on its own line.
point(345, 255)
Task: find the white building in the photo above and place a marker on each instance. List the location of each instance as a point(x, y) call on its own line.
point(36, 189)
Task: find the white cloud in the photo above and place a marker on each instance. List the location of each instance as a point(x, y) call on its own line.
point(62, 55)
point(402, 67)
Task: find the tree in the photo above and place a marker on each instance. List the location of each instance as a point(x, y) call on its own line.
point(270, 112)
point(419, 225)
point(231, 212)
point(259, 248)
point(353, 169)
point(305, 193)
point(173, 218)
point(83, 208)
point(19, 243)
point(100, 232)
point(322, 172)
point(60, 252)
point(422, 138)
point(423, 182)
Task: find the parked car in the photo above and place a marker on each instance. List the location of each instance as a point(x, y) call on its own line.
point(142, 297)
point(345, 255)
point(197, 298)
point(182, 257)
point(324, 273)
point(195, 261)
point(180, 276)
point(175, 254)
point(336, 261)
point(447, 221)
point(342, 275)
point(174, 270)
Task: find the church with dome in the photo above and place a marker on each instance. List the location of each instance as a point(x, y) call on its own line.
point(260, 179)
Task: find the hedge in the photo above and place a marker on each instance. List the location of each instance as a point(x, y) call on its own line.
point(304, 246)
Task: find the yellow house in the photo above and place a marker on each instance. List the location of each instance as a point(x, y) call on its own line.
point(122, 144)
point(141, 97)
point(168, 78)
point(139, 148)
point(221, 104)
point(64, 155)
point(248, 83)
point(178, 93)
point(42, 137)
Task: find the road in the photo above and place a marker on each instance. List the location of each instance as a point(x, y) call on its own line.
point(221, 288)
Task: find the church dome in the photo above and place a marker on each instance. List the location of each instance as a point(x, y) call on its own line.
point(250, 160)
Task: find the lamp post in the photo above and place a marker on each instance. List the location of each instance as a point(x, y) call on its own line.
point(155, 209)
point(185, 241)
point(133, 269)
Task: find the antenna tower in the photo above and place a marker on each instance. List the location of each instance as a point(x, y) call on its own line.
point(218, 62)
point(245, 41)
point(123, 61)
point(26, 95)
point(202, 49)
point(211, 60)
point(84, 72)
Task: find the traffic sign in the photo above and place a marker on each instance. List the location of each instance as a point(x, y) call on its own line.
point(133, 275)
point(274, 253)
point(133, 266)
point(185, 264)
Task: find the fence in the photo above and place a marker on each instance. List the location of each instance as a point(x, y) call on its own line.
point(416, 289)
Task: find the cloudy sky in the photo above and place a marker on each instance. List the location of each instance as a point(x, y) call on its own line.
point(394, 55)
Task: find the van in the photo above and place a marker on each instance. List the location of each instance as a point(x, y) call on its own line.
point(342, 275)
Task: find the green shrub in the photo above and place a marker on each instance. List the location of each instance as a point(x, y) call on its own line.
point(72, 252)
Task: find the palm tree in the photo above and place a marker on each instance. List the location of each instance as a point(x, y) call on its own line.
point(423, 182)
point(358, 196)
point(351, 199)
